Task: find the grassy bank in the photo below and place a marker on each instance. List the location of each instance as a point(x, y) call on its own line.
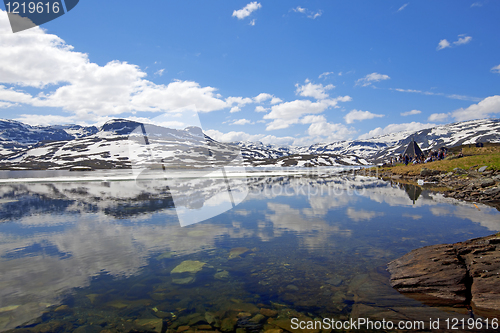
point(473, 157)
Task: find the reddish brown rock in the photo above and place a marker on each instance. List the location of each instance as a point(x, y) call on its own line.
point(466, 273)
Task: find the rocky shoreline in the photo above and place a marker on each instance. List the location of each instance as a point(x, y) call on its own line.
point(464, 274)
point(477, 184)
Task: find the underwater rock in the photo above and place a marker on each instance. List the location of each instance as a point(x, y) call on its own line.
point(221, 275)
point(237, 251)
point(164, 255)
point(151, 324)
point(268, 312)
point(228, 324)
point(185, 272)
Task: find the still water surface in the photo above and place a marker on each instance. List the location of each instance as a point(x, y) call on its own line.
point(99, 256)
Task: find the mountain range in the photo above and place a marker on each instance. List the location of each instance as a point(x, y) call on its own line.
point(120, 143)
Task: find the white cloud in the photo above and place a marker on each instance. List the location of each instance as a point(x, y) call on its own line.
point(315, 15)
point(438, 117)
point(276, 100)
point(325, 74)
point(235, 109)
point(394, 128)
point(370, 78)
point(252, 22)
point(308, 13)
point(247, 10)
point(299, 9)
point(487, 107)
point(44, 120)
point(317, 91)
point(234, 136)
point(160, 72)
point(360, 115)
point(241, 122)
point(4, 105)
point(362, 215)
point(403, 7)
point(496, 69)
point(443, 43)
point(476, 4)
point(329, 131)
point(288, 113)
point(410, 113)
point(462, 39)
point(240, 101)
point(312, 119)
point(430, 93)
point(262, 97)
point(67, 79)
point(260, 108)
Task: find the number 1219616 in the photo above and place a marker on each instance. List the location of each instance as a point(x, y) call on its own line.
point(32, 7)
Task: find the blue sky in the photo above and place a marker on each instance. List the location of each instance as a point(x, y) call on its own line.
point(282, 72)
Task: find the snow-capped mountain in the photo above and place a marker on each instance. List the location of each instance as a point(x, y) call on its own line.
point(121, 143)
point(382, 147)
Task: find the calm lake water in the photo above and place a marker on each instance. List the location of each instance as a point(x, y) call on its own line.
point(109, 255)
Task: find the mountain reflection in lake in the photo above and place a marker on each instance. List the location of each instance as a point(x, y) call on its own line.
point(101, 255)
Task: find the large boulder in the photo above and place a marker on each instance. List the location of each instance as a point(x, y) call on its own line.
point(466, 273)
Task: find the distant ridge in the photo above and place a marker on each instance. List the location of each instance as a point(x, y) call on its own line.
point(63, 146)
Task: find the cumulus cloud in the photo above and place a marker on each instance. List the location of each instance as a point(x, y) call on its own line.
point(486, 108)
point(262, 97)
point(247, 10)
point(252, 22)
point(394, 128)
point(360, 115)
point(4, 105)
point(241, 122)
point(43, 71)
point(317, 91)
point(462, 39)
point(325, 131)
point(235, 136)
point(443, 43)
point(235, 109)
point(496, 69)
point(260, 108)
point(276, 100)
point(288, 113)
point(410, 113)
point(370, 78)
point(438, 117)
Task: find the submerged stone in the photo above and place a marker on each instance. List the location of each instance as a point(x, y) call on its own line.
point(221, 275)
point(151, 324)
point(188, 266)
point(185, 272)
point(237, 251)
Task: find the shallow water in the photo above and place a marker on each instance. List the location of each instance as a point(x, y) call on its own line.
point(99, 255)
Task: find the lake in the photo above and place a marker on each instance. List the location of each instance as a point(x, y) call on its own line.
point(118, 253)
